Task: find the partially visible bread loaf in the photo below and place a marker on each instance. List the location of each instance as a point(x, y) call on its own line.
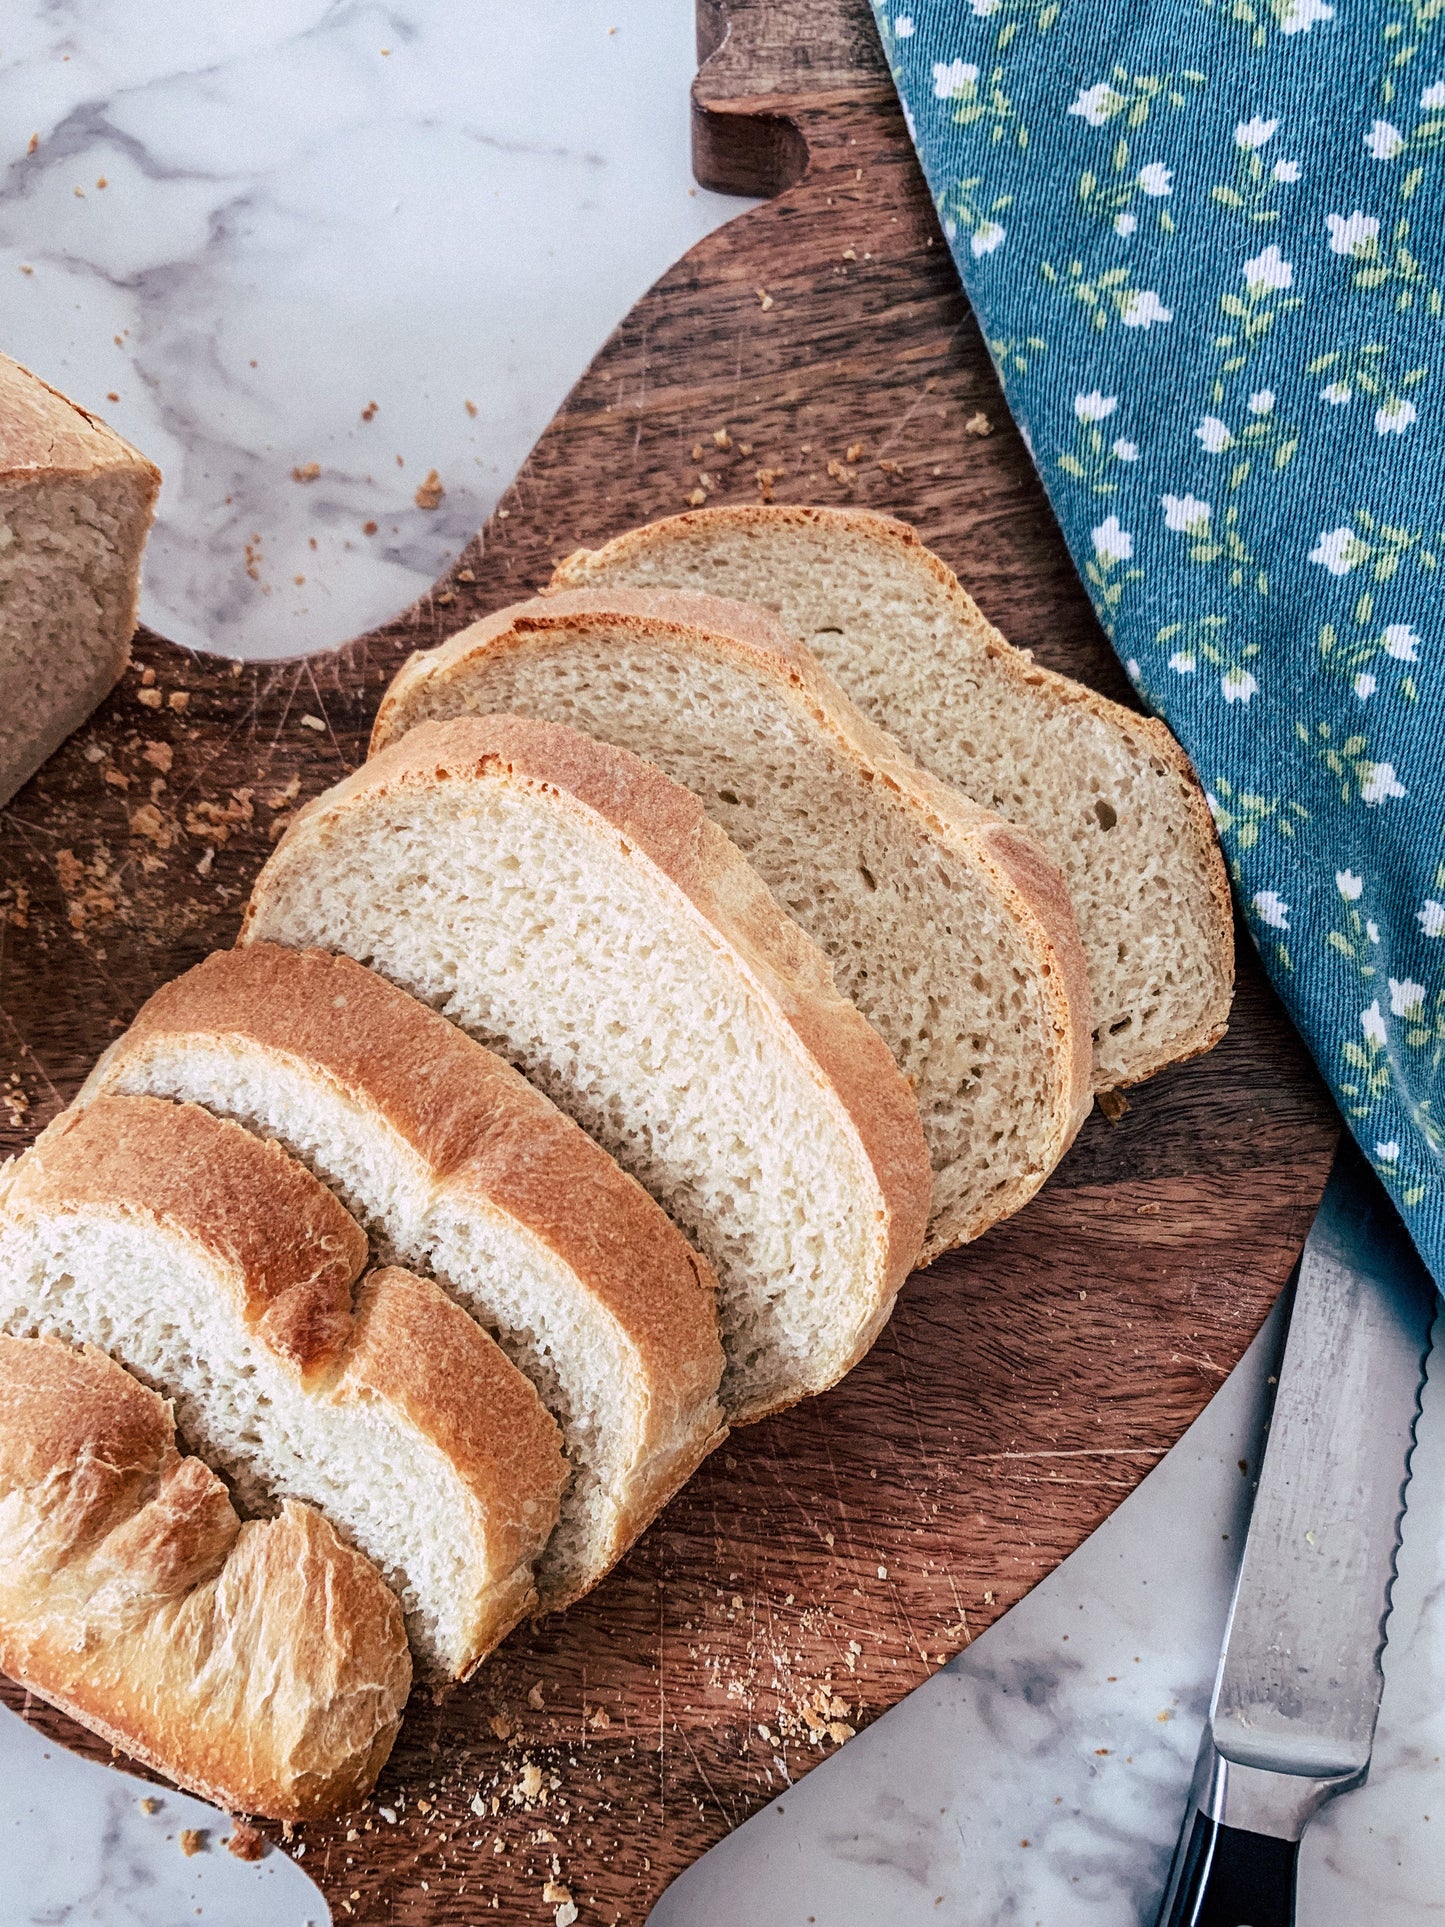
point(574, 909)
point(75, 506)
point(264, 1666)
point(949, 929)
point(1110, 795)
point(456, 1165)
point(220, 1271)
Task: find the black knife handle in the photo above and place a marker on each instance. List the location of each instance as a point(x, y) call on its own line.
point(1231, 1878)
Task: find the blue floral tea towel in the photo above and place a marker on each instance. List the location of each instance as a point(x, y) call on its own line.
point(1206, 244)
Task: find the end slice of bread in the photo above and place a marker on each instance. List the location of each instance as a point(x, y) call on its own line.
point(1110, 795)
point(576, 911)
point(456, 1166)
point(75, 506)
point(263, 1666)
point(220, 1272)
point(948, 928)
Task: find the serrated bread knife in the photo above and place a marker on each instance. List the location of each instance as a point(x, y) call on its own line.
point(1292, 1720)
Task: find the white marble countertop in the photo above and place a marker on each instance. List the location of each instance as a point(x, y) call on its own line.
point(311, 206)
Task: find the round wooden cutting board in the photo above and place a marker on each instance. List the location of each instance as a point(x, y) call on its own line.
point(822, 1564)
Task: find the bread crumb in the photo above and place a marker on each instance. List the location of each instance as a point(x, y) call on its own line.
point(696, 498)
point(193, 1841)
point(765, 300)
point(697, 452)
point(501, 1726)
point(978, 424)
point(34, 143)
point(466, 575)
point(246, 1843)
point(368, 414)
point(368, 528)
point(566, 1913)
point(313, 722)
point(534, 1698)
point(178, 699)
point(847, 476)
point(150, 697)
point(854, 452)
point(150, 1804)
point(889, 467)
point(1113, 1104)
point(430, 492)
point(470, 406)
point(307, 472)
point(160, 756)
point(721, 438)
point(555, 1890)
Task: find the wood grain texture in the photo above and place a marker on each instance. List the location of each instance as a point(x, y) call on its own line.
point(825, 1562)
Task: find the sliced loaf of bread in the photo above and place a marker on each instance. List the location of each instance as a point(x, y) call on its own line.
point(456, 1166)
point(264, 1665)
point(75, 506)
point(221, 1273)
point(948, 928)
point(576, 911)
point(1109, 794)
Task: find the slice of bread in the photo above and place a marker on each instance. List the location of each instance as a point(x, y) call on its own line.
point(1110, 795)
point(75, 506)
point(264, 1666)
point(575, 910)
point(456, 1166)
point(950, 930)
point(220, 1272)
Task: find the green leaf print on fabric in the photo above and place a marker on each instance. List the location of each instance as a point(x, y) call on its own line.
point(1206, 247)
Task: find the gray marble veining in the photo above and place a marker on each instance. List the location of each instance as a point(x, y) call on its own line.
point(243, 228)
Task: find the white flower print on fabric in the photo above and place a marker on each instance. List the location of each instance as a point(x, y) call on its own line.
point(1372, 930)
point(1384, 141)
point(1254, 133)
point(1372, 1023)
point(1339, 550)
point(1349, 885)
point(1406, 996)
point(1287, 171)
point(1238, 685)
point(1097, 104)
point(1300, 15)
point(1125, 451)
point(1431, 917)
point(1365, 685)
point(949, 77)
point(1401, 642)
point(987, 237)
point(1185, 514)
point(1395, 416)
point(1182, 662)
point(1262, 403)
point(1387, 1150)
point(1271, 908)
point(1156, 180)
point(1380, 784)
point(1214, 435)
point(903, 26)
point(1356, 234)
point(1111, 542)
point(1433, 96)
point(983, 8)
point(1126, 224)
point(1143, 308)
point(1337, 394)
point(1268, 270)
point(1095, 407)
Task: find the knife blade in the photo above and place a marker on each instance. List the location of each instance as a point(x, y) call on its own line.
point(1292, 1720)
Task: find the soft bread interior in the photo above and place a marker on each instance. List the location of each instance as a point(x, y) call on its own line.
point(529, 1300)
point(139, 1293)
point(934, 950)
point(533, 926)
point(1109, 797)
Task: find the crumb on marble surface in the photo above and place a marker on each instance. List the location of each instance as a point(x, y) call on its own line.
point(193, 1841)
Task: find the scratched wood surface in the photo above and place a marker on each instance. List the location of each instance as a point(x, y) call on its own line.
point(826, 1562)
